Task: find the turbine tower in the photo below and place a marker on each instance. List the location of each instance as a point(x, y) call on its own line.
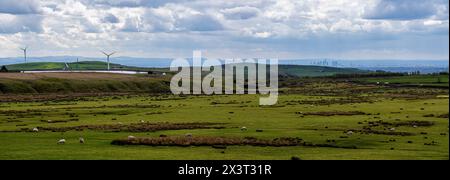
point(24, 53)
point(107, 57)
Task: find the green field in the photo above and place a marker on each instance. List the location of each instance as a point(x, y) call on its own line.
point(82, 65)
point(430, 80)
point(291, 70)
point(299, 114)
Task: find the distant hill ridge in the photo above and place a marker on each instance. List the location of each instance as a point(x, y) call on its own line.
point(290, 70)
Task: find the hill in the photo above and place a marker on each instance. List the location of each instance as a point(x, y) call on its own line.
point(287, 70)
point(84, 65)
point(315, 71)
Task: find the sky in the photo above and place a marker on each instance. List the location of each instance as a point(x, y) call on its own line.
point(285, 29)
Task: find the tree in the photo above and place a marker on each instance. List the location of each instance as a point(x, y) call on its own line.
point(4, 69)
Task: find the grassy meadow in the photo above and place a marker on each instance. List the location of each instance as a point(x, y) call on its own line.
point(389, 123)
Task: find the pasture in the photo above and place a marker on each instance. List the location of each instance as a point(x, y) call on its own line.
point(313, 122)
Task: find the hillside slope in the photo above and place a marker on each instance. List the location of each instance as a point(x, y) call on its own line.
point(289, 70)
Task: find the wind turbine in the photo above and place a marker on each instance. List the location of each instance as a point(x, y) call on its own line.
point(107, 57)
point(25, 53)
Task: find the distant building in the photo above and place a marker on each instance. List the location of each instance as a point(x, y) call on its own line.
point(4, 69)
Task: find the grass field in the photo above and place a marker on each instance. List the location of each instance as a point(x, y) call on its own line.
point(19, 83)
point(292, 70)
point(430, 80)
point(317, 112)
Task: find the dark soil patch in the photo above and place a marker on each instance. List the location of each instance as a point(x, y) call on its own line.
point(443, 116)
point(59, 121)
point(400, 123)
point(220, 142)
point(332, 113)
point(322, 102)
point(139, 127)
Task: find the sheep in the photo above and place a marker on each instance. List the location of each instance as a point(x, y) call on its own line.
point(35, 130)
point(189, 135)
point(244, 128)
point(131, 138)
point(349, 132)
point(81, 140)
point(142, 121)
point(62, 141)
point(392, 129)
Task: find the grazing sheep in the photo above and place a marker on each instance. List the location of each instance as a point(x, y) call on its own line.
point(62, 141)
point(142, 121)
point(244, 128)
point(392, 129)
point(349, 133)
point(415, 126)
point(82, 140)
point(35, 130)
point(378, 83)
point(131, 138)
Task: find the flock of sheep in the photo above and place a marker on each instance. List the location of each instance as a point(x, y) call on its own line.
point(130, 138)
point(63, 141)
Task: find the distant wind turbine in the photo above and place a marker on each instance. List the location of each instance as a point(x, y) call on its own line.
point(107, 57)
point(24, 53)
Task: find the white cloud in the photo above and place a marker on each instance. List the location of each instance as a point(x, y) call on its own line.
point(175, 26)
point(238, 13)
point(19, 7)
point(19, 23)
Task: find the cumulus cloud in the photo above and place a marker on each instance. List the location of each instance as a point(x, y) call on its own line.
point(23, 23)
point(19, 7)
point(406, 9)
point(240, 12)
point(110, 18)
point(270, 26)
point(132, 3)
point(173, 18)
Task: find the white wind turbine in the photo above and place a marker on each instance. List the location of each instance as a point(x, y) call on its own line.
point(107, 57)
point(24, 53)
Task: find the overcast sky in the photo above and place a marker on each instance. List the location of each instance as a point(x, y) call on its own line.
point(343, 29)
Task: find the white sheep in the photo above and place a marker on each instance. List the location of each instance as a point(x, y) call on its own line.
point(131, 138)
point(392, 129)
point(35, 130)
point(244, 128)
point(349, 133)
point(142, 121)
point(82, 140)
point(62, 141)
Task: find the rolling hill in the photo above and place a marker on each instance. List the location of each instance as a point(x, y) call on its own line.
point(287, 70)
